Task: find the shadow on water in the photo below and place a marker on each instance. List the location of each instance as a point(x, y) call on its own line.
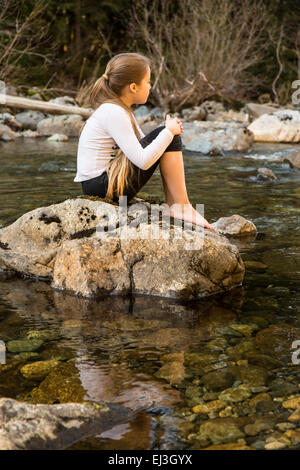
point(156, 356)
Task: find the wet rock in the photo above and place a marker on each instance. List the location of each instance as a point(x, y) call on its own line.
point(220, 431)
point(7, 134)
point(30, 133)
point(38, 370)
point(295, 417)
point(67, 124)
point(277, 126)
point(275, 445)
point(65, 243)
point(230, 446)
point(206, 408)
point(259, 397)
point(276, 341)
point(265, 406)
point(218, 380)
point(24, 426)
point(24, 345)
point(256, 266)
point(58, 138)
point(256, 110)
point(215, 138)
point(292, 403)
point(293, 436)
point(252, 375)
point(293, 159)
point(234, 395)
point(256, 428)
point(11, 381)
point(44, 335)
point(172, 372)
point(30, 119)
point(265, 174)
point(61, 385)
point(235, 225)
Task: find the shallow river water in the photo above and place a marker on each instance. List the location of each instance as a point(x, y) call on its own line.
point(163, 357)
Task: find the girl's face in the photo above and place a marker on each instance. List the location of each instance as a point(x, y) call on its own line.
point(143, 89)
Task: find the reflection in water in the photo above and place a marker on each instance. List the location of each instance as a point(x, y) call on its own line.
point(162, 357)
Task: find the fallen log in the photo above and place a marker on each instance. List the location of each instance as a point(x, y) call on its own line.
point(44, 106)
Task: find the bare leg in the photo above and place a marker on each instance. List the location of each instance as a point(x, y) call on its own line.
point(172, 172)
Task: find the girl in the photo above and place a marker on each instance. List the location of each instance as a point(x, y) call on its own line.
point(112, 131)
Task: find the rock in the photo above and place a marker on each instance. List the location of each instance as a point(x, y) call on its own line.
point(24, 345)
point(230, 446)
point(142, 114)
point(220, 431)
point(7, 134)
point(293, 435)
point(65, 243)
point(30, 119)
point(293, 159)
point(277, 126)
point(275, 445)
point(292, 403)
point(64, 100)
point(38, 370)
point(68, 124)
point(196, 113)
point(39, 427)
point(256, 428)
point(265, 174)
point(295, 417)
point(30, 133)
point(259, 397)
point(235, 395)
point(277, 339)
point(218, 380)
point(10, 121)
point(58, 138)
point(256, 110)
point(256, 266)
point(206, 408)
point(172, 372)
point(215, 138)
point(234, 225)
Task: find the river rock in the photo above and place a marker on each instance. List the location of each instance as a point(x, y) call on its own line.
point(293, 159)
point(220, 430)
point(65, 243)
point(7, 134)
point(276, 340)
point(235, 395)
point(265, 174)
point(216, 137)
point(256, 110)
point(68, 124)
point(235, 225)
point(58, 138)
point(25, 426)
point(277, 126)
point(24, 345)
point(38, 370)
point(30, 119)
point(64, 100)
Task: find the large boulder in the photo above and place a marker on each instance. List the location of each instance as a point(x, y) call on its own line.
point(24, 426)
point(83, 247)
point(277, 126)
point(216, 137)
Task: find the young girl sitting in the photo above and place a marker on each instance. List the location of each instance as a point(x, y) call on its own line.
point(112, 131)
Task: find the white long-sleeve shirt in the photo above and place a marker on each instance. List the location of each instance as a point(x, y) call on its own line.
point(108, 126)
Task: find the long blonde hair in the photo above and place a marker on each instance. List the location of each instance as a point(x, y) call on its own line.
point(121, 70)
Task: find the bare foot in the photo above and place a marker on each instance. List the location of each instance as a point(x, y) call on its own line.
point(188, 213)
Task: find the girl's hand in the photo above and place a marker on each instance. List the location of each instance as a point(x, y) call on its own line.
point(174, 125)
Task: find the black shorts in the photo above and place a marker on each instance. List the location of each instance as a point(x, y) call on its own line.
point(98, 186)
